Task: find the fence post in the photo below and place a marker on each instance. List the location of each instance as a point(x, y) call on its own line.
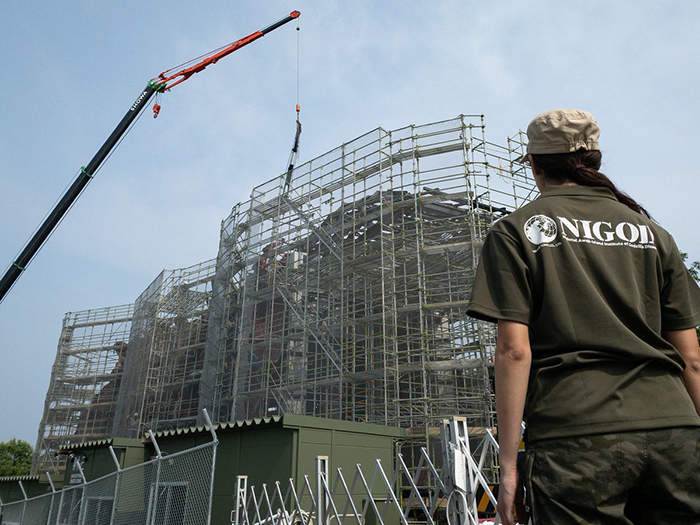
point(241, 492)
point(151, 518)
point(24, 504)
point(53, 498)
point(215, 444)
point(116, 485)
point(60, 504)
point(83, 495)
point(321, 499)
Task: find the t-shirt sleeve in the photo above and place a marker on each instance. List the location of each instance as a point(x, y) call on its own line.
point(680, 296)
point(502, 287)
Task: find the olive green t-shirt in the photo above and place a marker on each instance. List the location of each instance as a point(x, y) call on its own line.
point(596, 283)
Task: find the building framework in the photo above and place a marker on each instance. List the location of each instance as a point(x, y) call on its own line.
point(85, 382)
point(162, 375)
point(339, 291)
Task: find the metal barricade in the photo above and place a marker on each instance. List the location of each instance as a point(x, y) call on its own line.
point(374, 496)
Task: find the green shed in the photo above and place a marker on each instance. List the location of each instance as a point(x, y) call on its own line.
point(10, 489)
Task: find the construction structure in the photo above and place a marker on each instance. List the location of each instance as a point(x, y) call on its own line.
point(85, 382)
point(338, 291)
point(166, 346)
point(341, 291)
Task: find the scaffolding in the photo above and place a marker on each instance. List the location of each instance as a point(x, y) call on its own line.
point(166, 352)
point(338, 292)
point(85, 382)
point(342, 292)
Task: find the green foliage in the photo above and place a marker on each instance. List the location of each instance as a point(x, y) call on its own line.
point(694, 270)
point(15, 457)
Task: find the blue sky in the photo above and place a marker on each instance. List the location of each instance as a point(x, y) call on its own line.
point(72, 69)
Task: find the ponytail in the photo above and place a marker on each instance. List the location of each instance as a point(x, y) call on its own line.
point(582, 168)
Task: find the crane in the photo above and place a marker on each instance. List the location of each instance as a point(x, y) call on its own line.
point(158, 84)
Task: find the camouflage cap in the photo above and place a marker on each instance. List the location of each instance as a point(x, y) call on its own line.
point(561, 131)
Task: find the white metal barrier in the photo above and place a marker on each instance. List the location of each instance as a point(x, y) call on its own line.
point(369, 495)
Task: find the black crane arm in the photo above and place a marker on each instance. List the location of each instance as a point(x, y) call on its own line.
point(158, 84)
point(73, 192)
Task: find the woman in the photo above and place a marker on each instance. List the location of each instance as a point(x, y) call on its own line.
point(596, 314)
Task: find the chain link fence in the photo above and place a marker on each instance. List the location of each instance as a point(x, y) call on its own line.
point(173, 489)
point(177, 489)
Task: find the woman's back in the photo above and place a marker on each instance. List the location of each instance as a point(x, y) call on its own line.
point(596, 315)
point(597, 283)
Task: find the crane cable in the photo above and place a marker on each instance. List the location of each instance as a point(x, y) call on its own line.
point(295, 146)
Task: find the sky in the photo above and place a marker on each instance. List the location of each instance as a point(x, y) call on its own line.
point(72, 69)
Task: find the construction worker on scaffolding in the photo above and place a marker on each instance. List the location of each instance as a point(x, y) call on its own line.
point(596, 344)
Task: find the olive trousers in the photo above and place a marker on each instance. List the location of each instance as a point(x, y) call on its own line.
point(648, 477)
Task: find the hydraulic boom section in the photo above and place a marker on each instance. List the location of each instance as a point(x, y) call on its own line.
point(155, 85)
point(187, 72)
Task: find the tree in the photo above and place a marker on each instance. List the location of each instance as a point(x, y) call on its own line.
point(694, 270)
point(694, 267)
point(15, 457)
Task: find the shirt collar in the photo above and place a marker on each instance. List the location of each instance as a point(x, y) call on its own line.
point(577, 191)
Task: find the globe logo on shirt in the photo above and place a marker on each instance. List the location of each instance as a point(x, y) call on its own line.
point(540, 229)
